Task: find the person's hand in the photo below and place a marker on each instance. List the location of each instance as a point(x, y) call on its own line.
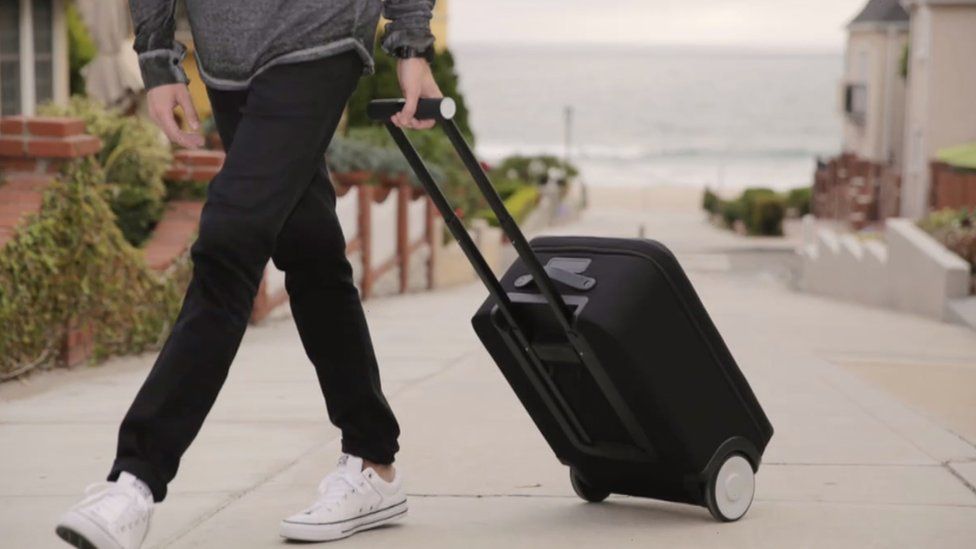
point(416, 81)
point(162, 101)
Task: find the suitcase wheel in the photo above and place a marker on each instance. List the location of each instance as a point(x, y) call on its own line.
point(729, 491)
point(586, 490)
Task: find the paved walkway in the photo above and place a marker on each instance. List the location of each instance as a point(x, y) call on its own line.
point(874, 417)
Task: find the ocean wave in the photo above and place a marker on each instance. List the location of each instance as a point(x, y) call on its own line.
point(494, 151)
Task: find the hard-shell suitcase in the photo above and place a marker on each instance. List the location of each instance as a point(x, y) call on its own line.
point(610, 350)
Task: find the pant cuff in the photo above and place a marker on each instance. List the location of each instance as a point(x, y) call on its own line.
point(373, 454)
point(141, 470)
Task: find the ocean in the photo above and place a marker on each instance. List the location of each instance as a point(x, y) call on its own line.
point(721, 118)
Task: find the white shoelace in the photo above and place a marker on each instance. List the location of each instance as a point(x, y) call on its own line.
point(116, 505)
point(333, 489)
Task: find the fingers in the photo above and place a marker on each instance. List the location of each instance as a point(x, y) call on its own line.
point(186, 102)
point(161, 105)
point(405, 118)
point(416, 81)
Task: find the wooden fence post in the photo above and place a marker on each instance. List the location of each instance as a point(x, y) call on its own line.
point(403, 233)
point(432, 241)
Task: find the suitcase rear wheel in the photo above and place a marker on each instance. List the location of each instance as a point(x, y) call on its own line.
point(586, 490)
point(729, 491)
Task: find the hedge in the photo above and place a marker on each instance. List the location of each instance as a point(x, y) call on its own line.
point(71, 264)
point(760, 210)
point(799, 200)
point(134, 158)
point(766, 216)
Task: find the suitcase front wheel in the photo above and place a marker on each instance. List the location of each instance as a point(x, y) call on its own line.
point(586, 490)
point(729, 491)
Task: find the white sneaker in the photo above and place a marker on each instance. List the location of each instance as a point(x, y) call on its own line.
point(113, 515)
point(350, 499)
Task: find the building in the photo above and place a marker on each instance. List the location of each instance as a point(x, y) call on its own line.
point(941, 95)
point(33, 54)
point(873, 89)
point(908, 93)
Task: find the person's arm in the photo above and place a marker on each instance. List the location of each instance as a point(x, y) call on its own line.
point(159, 53)
point(409, 25)
point(408, 37)
point(160, 57)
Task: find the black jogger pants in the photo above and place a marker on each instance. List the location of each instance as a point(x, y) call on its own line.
point(272, 199)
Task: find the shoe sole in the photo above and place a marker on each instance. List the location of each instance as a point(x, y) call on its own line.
point(338, 530)
point(80, 531)
point(74, 538)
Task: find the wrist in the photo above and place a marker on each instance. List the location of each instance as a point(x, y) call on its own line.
point(410, 52)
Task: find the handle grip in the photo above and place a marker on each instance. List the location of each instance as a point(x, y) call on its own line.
point(442, 108)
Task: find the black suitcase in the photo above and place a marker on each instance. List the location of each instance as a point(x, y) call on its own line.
point(612, 353)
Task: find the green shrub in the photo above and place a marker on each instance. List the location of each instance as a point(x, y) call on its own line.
point(506, 187)
point(70, 262)
point(749, 198)
point(186, 190)
point(799, 199)
point(766, 217)
point(81, 48)
point(379, 153)
point(956, 230)
point(731, 211)
point(519, 205)
point(711, 203)
point(347, 155)
point(134, 158)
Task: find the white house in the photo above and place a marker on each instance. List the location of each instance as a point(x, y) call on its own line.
point(941, 95)
point(33, 54)
point(873, 88)
point(908, 92)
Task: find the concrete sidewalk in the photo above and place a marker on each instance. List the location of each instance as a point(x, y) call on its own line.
point(875, 417)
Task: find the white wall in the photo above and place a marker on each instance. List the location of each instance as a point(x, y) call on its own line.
point(907, 270)
point(941, 92)
point(872, 58)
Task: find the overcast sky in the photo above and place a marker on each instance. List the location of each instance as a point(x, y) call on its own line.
point(775, 24)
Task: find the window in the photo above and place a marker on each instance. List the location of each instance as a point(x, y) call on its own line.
point(9, 57)
point(856, 102)
point(43, 50)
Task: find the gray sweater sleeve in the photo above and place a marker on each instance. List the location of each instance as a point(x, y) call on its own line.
point(160, 54)
point(409, 24)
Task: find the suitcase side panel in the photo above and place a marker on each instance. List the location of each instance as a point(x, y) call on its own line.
point(685, 301)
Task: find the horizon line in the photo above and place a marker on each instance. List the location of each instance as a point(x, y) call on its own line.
point(782, 49)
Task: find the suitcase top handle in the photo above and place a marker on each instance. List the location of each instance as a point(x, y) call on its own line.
point(443, 108)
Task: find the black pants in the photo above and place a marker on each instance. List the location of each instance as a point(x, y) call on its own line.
point(272, 199)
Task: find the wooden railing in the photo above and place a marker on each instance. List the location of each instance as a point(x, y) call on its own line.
point(361, 243)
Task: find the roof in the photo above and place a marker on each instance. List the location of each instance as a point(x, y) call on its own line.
point(881, 12)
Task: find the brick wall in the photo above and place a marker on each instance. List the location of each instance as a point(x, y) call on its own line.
point(32, 150)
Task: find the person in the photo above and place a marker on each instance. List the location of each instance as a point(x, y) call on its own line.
point(278, 74)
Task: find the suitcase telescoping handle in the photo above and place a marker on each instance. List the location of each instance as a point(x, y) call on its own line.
point(442, 111)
